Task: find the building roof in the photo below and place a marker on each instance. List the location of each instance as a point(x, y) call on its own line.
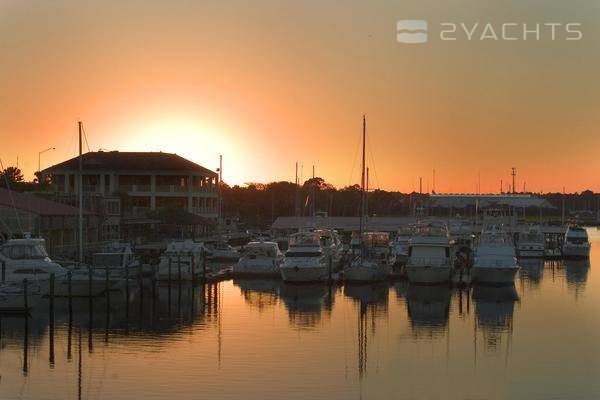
point(35, 204)
point(487, 200)
point(130, 161)
point(383, 224)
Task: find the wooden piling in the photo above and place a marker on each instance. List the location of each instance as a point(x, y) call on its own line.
point(3, 271)
point(179, 268)
point(25, 295)
point(51, 322)
point(169, 278)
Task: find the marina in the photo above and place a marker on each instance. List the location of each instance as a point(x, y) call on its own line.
point(259, 337)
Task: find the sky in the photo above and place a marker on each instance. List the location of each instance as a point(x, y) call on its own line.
point(269, 83)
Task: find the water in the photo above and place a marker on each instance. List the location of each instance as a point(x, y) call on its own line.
point(249, 339)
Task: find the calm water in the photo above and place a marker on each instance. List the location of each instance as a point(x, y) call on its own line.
point(264, 340)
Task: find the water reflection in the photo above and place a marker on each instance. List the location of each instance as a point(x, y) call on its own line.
point(494, 310)
point(307, 303)
point(428, 309)
point(259, 293)
point(532, 272)
point(576, 272)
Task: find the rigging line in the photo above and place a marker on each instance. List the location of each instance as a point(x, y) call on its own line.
point(12, 200)
point(85, 137)
point(373, 163)
point(357, 146)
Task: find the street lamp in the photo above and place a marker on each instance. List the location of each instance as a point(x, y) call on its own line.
point(40, 156)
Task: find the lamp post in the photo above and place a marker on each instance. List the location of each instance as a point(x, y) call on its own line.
point(40, 157)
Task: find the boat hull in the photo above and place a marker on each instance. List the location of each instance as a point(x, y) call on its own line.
point(304, 273)
point(428, 275)
point(494, 275)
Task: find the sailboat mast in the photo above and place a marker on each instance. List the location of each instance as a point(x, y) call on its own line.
point(80, 193)
point(362, 177)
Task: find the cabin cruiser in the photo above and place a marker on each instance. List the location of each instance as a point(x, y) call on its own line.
point(305, 260)
point(118, 260)
point(576, 243)
point(27, 259)
point(495, 260)
point(374, 262)
point(532, 243)
point(182, 261)
point(259, 258)
point(400, 245)
point(429, 258)
point(220, 252)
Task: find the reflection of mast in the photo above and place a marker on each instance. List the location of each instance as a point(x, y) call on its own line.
point(362, 340)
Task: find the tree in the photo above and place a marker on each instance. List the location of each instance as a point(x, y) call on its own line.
point(12, 174)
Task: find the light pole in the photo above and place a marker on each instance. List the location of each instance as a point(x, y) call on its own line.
point(40, 157)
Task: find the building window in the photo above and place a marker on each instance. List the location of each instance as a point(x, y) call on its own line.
point(113, 207)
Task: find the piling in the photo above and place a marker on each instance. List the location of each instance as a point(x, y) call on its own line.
point(179, 268)
point(51, 322)
point(90, 282)
point(3, 271)
point(193, 267)
point(169, 278)
point(70, 300)
point(25, 296)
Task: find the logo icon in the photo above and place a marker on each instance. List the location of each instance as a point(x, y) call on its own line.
point(411, 31)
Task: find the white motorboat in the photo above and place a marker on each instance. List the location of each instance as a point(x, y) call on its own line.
point(182, 261)
point(532, 243)
point(577, 244)
point(495, 260)
point(305, 260)
point(220, 251)
point(260, 259)
point(27, 259)
point(118, 260)
point(429, 256)
point(374, 262)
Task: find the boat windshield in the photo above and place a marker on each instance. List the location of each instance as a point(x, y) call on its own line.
point(25, 252)
point(305, 240)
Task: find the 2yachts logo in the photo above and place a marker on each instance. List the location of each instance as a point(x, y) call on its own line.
point(415, 31)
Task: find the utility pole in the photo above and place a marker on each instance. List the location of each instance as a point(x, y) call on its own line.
point(514, 175)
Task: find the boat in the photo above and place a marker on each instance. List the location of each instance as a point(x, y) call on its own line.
point(371, 259)
point(429, 256)
point(577, 244)
point(259, 259)
point(532, 243)
point(374, 262)
point(495, 260)
point(219, 251)
point(305, 260)
point(118, 260)
point(27, 259)
point(181, 261)
point(400, 245)
point(331, 244)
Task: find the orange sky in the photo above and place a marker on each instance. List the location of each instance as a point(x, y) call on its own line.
point(267, 83)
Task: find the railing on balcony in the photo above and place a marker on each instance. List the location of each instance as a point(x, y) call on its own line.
point(134, 188)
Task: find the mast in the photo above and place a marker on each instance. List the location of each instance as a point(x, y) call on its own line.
point(80, 193)
point(362, 177)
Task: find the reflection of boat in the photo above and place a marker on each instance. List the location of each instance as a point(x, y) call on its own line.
point(259, 293)
point(577, 273)
point(370, 294)
point(429, 259)
point(494, 305)
point(428, 307)
point(259, 259)
point(305, 303)
point(576, 243)
point(532, 270)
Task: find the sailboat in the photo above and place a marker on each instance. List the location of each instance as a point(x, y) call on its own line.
point(374, 259)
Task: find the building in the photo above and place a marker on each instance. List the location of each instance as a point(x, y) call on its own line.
point(57, 223)
point(134, 191)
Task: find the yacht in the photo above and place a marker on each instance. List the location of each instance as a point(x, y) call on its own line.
point(182, 261)
point(495, 260)
point(259, 258)
point(27, 259)
point(374, 262)
point(429, 257)
point(532, 243)
point(118, 260)
point(576, 243)
point(305, 260)
point(220, 251)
